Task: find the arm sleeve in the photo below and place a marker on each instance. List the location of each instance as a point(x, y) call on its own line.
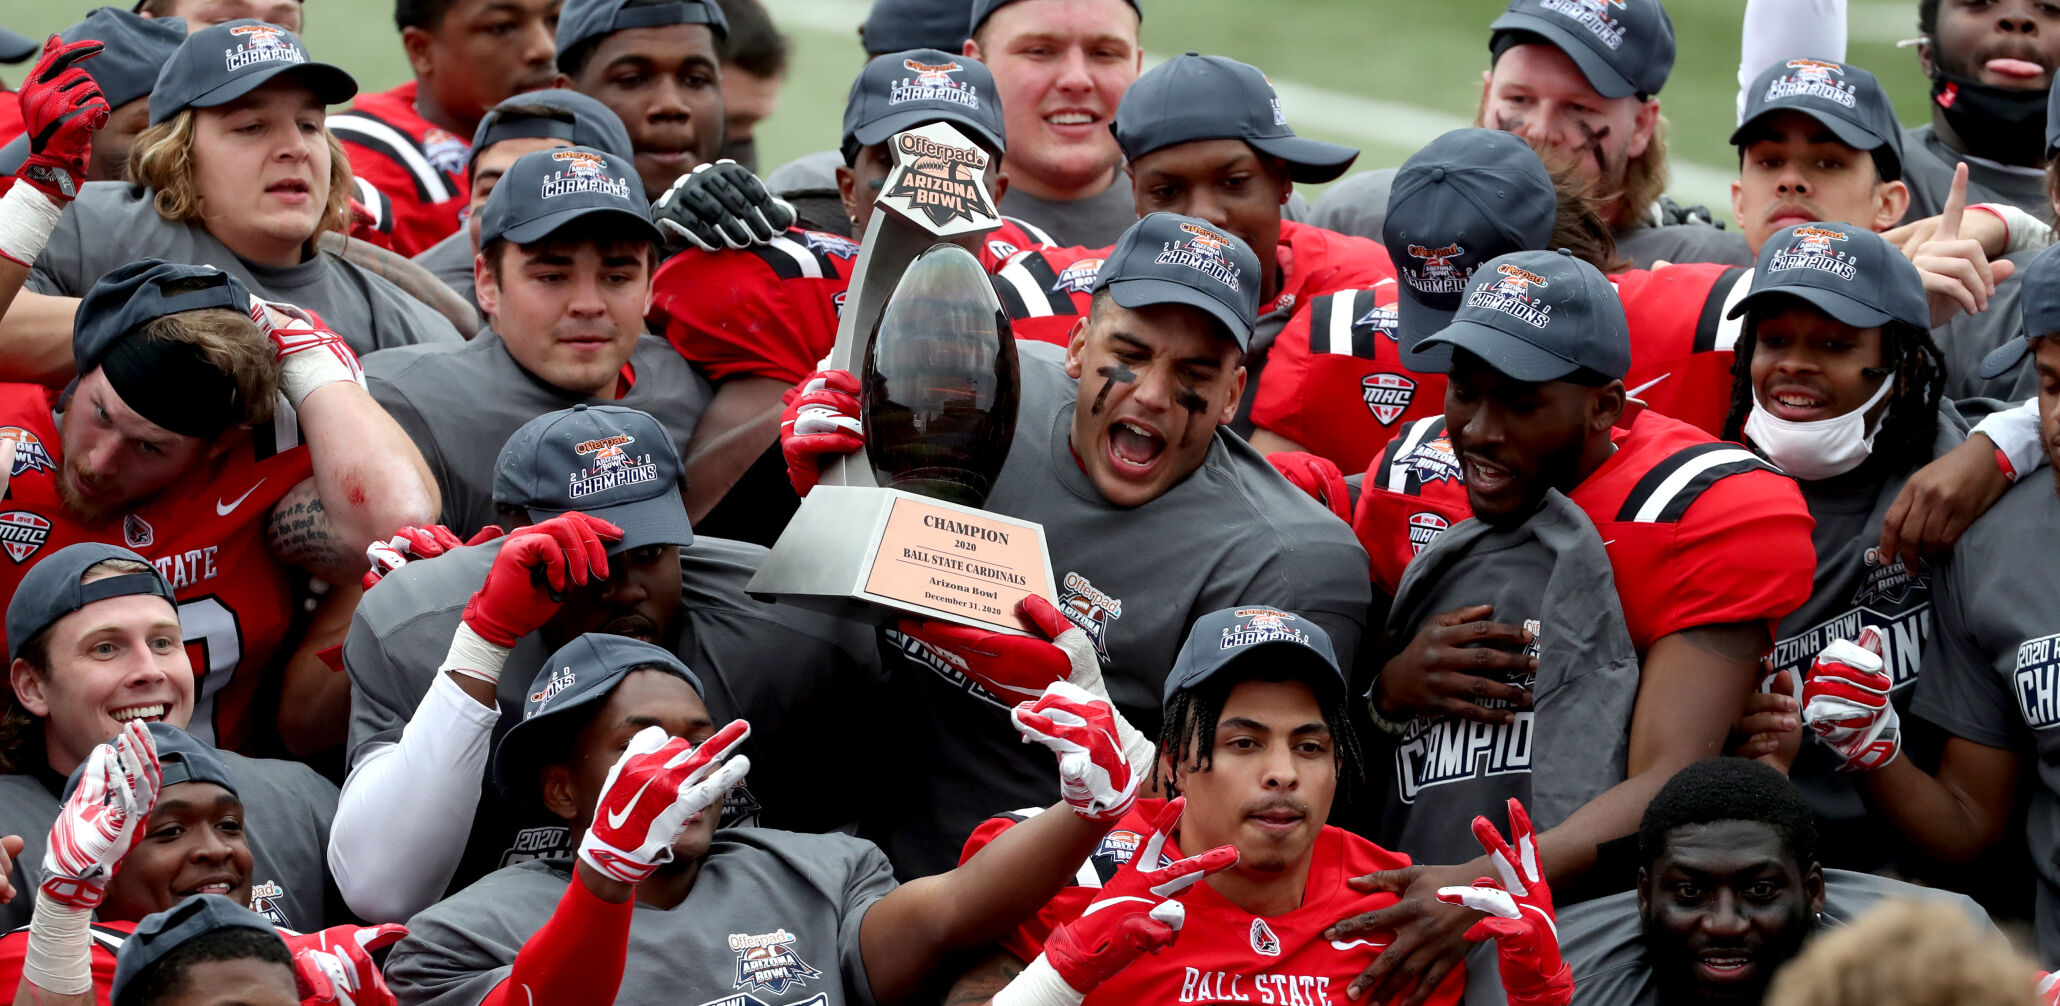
point(1742, 553)
point(2016, 432)
point(576, 959)
point(407, 808)
point(1777, 30)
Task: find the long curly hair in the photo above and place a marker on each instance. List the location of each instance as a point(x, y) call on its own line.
point(162, 161)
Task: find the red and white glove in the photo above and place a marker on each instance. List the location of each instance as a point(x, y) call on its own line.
point(1135, 915)
point(105, 818)
point(61, 109)
point(306, 352)
point(334, 967)
point(2048, 988)
point(1095, 776)
point(658, 785)
point(1846, 702)
point(1318, 476)
point(821, 420)
point(530, 576)
point(1520, 916)
point(413, 543)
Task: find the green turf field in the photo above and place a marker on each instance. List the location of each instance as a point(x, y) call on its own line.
point(1425, 54)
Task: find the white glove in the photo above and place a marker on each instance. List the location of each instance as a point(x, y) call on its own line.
point(657, 784)
point(306, 352)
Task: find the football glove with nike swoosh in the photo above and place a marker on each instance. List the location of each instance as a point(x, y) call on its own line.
point(657, 785)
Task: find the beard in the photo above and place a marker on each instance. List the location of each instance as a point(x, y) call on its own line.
point(1673, 963)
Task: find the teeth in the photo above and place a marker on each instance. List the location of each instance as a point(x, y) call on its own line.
point(1139, 430)
point(137, 713)
point(1069, 118)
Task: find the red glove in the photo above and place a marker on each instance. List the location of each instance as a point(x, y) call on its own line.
point(334, 967)
point(1318, 476)
point(1846, 703)
point(1135, 914)
point(529, 577)
point(1080, 728)
point(106, 817)
point(61, 109)
point(413, 543)
point(1519, 915)
point(821, 420)
point(2048, 989)
point(658, 784)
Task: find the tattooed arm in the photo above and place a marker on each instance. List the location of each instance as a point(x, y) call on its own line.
point(369, 482)
point(980, 984)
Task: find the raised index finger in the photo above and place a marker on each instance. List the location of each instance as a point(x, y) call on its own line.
point(1956, 204)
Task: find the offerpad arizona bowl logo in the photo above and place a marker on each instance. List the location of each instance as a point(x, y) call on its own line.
point(1078, 277)
point(29, 455)
point(940, 180)
point(1436, 273)
point(1090, 609)
point(1387, 396)
point(767, 962)
point(261, 43)
point(1815, 248)
point(612, 468)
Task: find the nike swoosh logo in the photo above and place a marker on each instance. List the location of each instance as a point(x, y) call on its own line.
point(615, 820)
point(225, 509)
point(1633, 393)
point(1341, 945)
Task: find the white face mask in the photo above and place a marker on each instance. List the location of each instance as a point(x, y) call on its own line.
point(1818, 450)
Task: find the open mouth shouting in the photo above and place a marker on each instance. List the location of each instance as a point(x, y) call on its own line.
point(1135, 448)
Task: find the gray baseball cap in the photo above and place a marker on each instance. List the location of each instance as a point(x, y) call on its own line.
point(1466, 197)
point(16, 47)
point(51, 589)
point(1194, 97)
point(604, 461)
point(1849, 273)
point(137, 293)
point(903, 90)
point(133, 50)
point(1849, 101)
point(548, 189)
point(894, 25)
point(581, 20)
point(582, 673)
point(1222, 638)
point(160, 933)
point(1623, 47)
point(219, 64)
point(181, 757)
point(1167, 258)
point(984, 9)
point(2039, 301)
point(593, 124)
point(1539, 316)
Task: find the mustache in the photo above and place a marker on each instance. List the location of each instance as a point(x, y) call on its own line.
point(1282, 802)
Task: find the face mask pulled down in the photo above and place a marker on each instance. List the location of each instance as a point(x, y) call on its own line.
point(2001, 124)
point(1816, 450)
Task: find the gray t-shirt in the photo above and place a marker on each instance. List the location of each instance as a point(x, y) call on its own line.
point(1967, 338)
point(802, 680)
point(1992, 668)
point(1928, 170)
point(772, 920)
point(1852, 589)
point(1134, 579)
point(450, 260)
point(1551, 575)
point(1094, 222)
point(1604, 945)
point(287, 808)
point(114, 223)
point(461, 403)
point(1359, 206)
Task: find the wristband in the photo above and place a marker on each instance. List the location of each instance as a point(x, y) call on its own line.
point(59, 957)
point(27, 217)
point(303, 372)
point(471, 656)
point(1038, 985)
point(2003, 462)
point(1385, 725)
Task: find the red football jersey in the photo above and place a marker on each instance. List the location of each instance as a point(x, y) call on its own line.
point(1699, 531)
point(418, 166)
point(1047, 290)
point(1225, 954)
point(236, 602)
point(107, 942)
point(1335, 382)
point(772, 310)
point(11, 124)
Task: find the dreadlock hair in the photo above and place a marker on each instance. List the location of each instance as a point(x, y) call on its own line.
point(1909, 357)
point(1188, 733)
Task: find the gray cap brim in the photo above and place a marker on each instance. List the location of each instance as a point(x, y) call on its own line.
point(1145, 291)
point(2005, 358)
point(881, 129)
point(658, 520)
point(1847, 132)
point(331, 84)
point(532, 231)
point(1603, 77)
point(1504, 352)
point(16, 47)
point(1856, 313)
point(1310, 161)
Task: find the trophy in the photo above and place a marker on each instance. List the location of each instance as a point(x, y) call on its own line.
point(897, 528)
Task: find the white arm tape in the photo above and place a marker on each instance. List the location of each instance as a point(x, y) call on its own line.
point(27, 217)
point(2027, 232)
point(1038, 985)
point(59, 957)
point(2016, 433)
point(407, 808)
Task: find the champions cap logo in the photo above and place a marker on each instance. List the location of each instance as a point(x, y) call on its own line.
point(1511, 295)
point(1424, 528)
point(1202, 252)
point(613, 468)
point(580, 171)
point(560, 680)
point(261, 43)
point(1813, 250)
point(1090, 609)
point(1813, 78)
point(29, 455)
point(938, 179)
point(932, 82)
point(1265, 626)
point(1592, 15)
point(1437, 274)
point(1387, 396)
point(1078, 277)
point(767, 962)
point(22, 533)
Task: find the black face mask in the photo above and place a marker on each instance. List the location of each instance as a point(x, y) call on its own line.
point(1997, 123)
